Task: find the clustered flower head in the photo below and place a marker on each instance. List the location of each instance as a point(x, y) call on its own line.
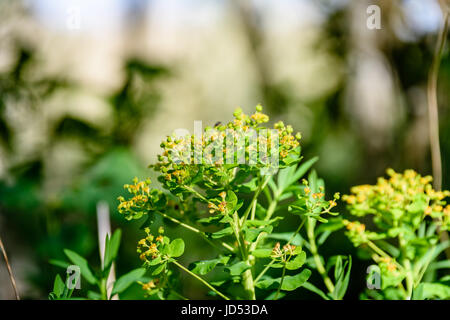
point(218, 205)
point(217, 151)
point(149, 247)
point(278, 252)
point(407, 197)
point(313, 202)
point(142, 199)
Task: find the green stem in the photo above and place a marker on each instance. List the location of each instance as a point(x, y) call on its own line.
point(408, 267)
point(271, 209)
point(377, 249)
point(314, 251)
point(196, 193)
point(178, 295)
point(281, 282)
point(288, 243)
point(254, 201)
point(409, 279)
point(247, 276)
point(200, 279)
point(264, 270)
point(201, 233)
point(103, 290)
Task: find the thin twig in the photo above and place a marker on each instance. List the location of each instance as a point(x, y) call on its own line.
point(433, 114)
point(206, 283)
point(8, 266)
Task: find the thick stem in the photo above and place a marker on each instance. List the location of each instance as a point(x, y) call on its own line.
point(103, 290)
point(271, 209)
point(409, 279)
point(247, 282)
point(247, 276)
point(407, 266)
point(200, 279)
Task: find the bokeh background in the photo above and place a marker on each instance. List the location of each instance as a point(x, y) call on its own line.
point(89, 88)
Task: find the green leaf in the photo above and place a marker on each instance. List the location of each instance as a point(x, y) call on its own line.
point(297, 262)
point(286, 236)
point(222, 233)
point(127, 280)
point(290, 283)
point(176, 248)
point(59, 263)
point(290, 175)
point(342, 276)
point(431, 291)
point(260, 223)
point(237, 268)
point(205, 266)
point(112, 248)
point(81, 262)
point(94, 295)
point(313, 181)
point(274, 296)
point(302, 170)
point(155, 261)
point(312, 288)
point(262, 253)
point(159, 269)
point(253, 233)
point(232, 201)
point(58, 286)
point(430, 255)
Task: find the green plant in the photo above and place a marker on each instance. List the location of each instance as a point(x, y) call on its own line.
point(408, 216)
point(233, 185)
point(99, 279)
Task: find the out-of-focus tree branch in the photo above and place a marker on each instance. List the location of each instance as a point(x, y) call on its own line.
point(433, 115)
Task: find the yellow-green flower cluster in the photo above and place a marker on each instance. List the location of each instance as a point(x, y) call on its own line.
point(218, 205)
point(149, 247)
point(357, 233)
point(313, 203)
point(142, 199)
point(284, 252)
point(406, 196)
point(218, 150)
point(139, 203)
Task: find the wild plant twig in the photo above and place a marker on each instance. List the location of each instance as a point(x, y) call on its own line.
point(433, 115)
point(206, 283)
point(8, 266)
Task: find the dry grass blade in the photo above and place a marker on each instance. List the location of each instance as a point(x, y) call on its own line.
point(8, 266)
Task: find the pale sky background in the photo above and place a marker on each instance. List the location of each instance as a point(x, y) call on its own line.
point(107, 15)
